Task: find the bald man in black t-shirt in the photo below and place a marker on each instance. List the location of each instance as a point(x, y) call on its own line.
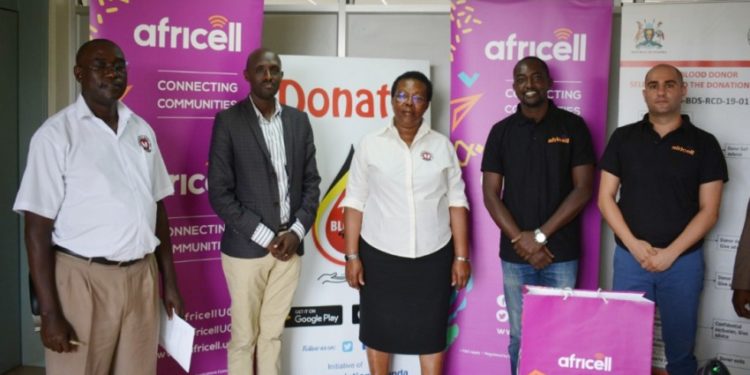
point(670, 176)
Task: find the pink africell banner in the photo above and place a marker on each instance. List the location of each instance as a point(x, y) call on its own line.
point(487, 40)
point(185, 60)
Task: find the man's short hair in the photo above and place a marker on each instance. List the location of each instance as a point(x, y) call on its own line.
point(91, 43)
point(415, 75)
point(259, 51)
point(536, 59)
point(680, 79)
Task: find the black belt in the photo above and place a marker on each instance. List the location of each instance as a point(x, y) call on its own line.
point(97, 260)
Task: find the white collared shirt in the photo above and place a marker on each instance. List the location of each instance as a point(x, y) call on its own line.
point(404, 192)
point(101, 188)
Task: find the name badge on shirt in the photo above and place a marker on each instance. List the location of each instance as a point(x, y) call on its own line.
point(684, 150)
point(144, 142)
point(565, 140)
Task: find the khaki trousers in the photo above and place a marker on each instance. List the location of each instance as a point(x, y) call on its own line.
point(115, 314)
point(261, 290)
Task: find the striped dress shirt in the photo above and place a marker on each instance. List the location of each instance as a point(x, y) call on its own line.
point(273, 133)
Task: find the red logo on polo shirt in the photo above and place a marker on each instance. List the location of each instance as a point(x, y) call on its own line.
point(565, 140)
point(144, 142)
point(684, 150)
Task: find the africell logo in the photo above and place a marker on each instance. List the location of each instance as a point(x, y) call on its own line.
point(224, 35)
point(563, 49)
point(600, 362)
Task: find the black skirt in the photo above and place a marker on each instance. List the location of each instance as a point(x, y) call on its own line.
point(404, 302)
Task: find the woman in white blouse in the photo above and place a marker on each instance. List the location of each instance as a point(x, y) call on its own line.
point(406, 232)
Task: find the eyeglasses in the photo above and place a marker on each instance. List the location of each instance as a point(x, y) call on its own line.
point(402, 97)
point(119, 67)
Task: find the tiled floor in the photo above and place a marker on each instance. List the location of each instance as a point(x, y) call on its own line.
point(26, 371)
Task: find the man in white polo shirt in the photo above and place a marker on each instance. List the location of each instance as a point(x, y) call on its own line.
point(91, 197)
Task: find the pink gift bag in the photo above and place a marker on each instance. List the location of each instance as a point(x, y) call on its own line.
point(566, 331)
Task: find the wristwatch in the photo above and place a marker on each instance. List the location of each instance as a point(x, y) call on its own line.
point(351, 256)
point(540, 237)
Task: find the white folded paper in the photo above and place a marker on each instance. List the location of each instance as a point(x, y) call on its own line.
point(176, 337)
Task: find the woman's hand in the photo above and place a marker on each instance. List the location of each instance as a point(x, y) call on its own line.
point(355, 274)
point(460, 273)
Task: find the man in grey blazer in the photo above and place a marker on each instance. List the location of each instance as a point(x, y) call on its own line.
point(263, 182)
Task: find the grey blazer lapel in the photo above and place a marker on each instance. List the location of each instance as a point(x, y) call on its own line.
point(248, 112)
point(286, 123)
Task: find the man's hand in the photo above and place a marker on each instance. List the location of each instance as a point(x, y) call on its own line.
point(460, 273)
point(173, 301)
point(541, 258)
point(661, 261)
point(57, 333)
point(284, 245)
point(538, 255)
point(355, 274)
point(526, 246)
point(171, 293)
point(741, 302)
point(641, 251)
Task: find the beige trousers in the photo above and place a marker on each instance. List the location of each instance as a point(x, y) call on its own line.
point(115, 314)
point(261, 290)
